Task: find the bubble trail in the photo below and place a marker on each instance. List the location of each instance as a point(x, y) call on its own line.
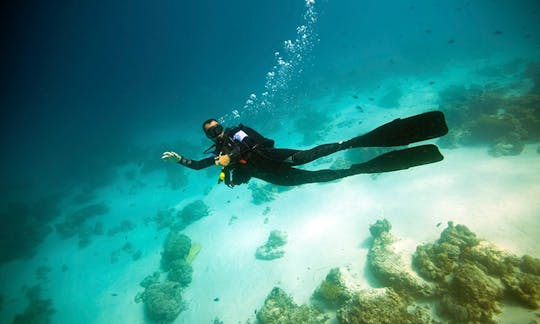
point(288, 65)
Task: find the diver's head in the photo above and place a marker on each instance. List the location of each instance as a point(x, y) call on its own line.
point(212, 129)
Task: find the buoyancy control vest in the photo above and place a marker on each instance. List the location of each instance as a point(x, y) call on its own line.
point(239, 142)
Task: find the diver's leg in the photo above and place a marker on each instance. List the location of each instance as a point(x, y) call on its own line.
point(303, 157)
point(395, 133)
point(277, 154)
point(296, 157)
point(294, 177)
point(387, 162)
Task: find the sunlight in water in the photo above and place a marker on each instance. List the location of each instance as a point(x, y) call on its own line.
point(318, 226)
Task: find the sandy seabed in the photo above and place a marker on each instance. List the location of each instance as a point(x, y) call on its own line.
point(327, 227)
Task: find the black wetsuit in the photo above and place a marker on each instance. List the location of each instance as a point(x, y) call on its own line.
point(253, 155)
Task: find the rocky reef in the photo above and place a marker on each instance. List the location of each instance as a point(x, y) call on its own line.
point(127, 249)
point(38, 310)
point(180, 272)
point(32, 219)
point(263, 193)
point(356, 304)
point(379, 305)
point(280, 308)
point(78, 224)
point(163, 298)
point(179, 220)
point(389, 267)
point(494, 114)
point(163, 301)
point(473, 276)
point(273, 248)
point(334, 291)
point(193, 211)
point(175, 247)
point(339, 293)
point(464, 278)
point(125, 226)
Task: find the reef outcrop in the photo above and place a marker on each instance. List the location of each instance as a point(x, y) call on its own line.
point(180, 219)
point(273, 248)
point(163, 298)
point(280, 308)
point(163, 301)
point(335, 290)
point(495, 115)
point(379, 305)
point(464, 278)
point(389, 267)
point(38, 310)
point(176, 247)
point(473, 276)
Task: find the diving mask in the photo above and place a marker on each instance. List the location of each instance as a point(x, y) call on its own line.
point(214, 131)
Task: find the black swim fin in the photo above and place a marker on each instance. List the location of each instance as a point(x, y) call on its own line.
point(399, 160)
point(403, 131)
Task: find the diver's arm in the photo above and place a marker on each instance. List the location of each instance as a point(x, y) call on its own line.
point(197, 165)
point(192, 164)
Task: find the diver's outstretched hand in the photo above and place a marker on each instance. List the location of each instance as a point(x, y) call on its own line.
point(171, 156)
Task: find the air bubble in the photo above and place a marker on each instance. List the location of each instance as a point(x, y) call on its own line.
point(289, 65)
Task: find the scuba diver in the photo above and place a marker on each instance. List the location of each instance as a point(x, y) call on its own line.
point(243, 153)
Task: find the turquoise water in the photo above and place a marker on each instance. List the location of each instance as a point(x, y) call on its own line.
point(94, 93)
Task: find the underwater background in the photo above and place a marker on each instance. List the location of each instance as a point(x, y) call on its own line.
point(95, 227)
